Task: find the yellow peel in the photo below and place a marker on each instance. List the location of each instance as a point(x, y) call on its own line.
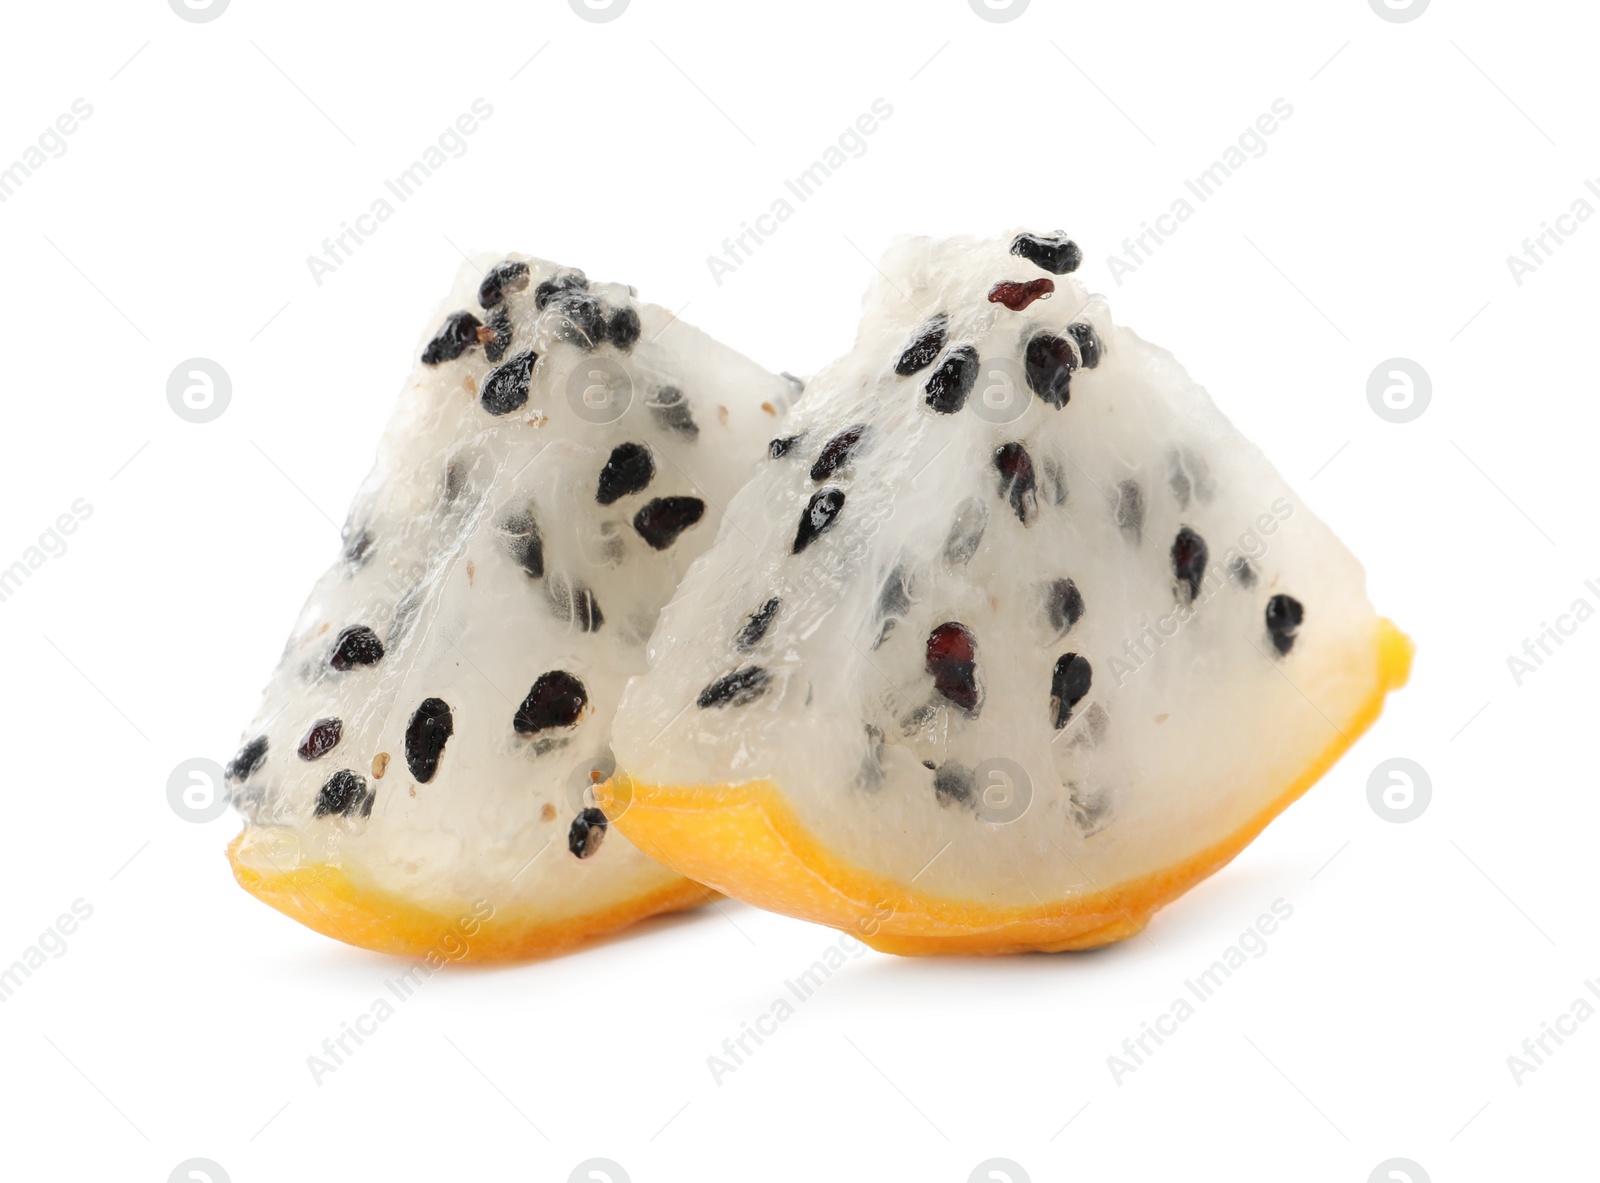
point(744, 840)
point(327, 899)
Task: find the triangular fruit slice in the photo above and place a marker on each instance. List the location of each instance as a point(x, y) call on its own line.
point(420, 775)
point(1017, 638)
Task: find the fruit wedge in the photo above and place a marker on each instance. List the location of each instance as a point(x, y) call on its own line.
point(419, 776)
point(1012, 639)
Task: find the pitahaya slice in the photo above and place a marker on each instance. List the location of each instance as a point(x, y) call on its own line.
point(420, 773)
point(986, 672)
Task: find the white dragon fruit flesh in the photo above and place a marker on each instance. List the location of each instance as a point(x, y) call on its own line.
point(422, 764)
point(1017, 638)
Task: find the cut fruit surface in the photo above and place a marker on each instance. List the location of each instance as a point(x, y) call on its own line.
point(421, 770)
point(1013, 640)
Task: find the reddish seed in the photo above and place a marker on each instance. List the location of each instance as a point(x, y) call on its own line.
point(1017, 295)
point(952, 659)
point(321, 739)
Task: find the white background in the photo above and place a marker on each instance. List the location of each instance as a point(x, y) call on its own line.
point(1377, 224)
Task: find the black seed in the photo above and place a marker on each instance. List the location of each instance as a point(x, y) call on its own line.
point(629, 470)
point(670, 410)
point(755, 625)
point(1285, 614)
point(584, 319)
point(556, 700)
point(356, 645)
point(505, 388)
point(357, 549)
point(459, 334)
point(740, 688)
point(948, 386)
point(1189, 558)
point(624, 328)
point(431, 726)
point(1068, 684)
point(1056, 255)
point(524, 542)
point(1089, 346)
point(780, 447)
point(661, 521)
point(820, 514)
point(500, 335)
point(966, 532)
point(570, 281)
point(502, 278)
point(321, 739)
point(1063, 605)
point(342, 794)
point(250, 758)
point(954, 784)
point(952, 659)
point(1017, 483)
point(924, 347)
point(1130, 508)
point(839, 450)
point(587, 832)
point(1242, 571)
point(573, 603)
point(1048, 363)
